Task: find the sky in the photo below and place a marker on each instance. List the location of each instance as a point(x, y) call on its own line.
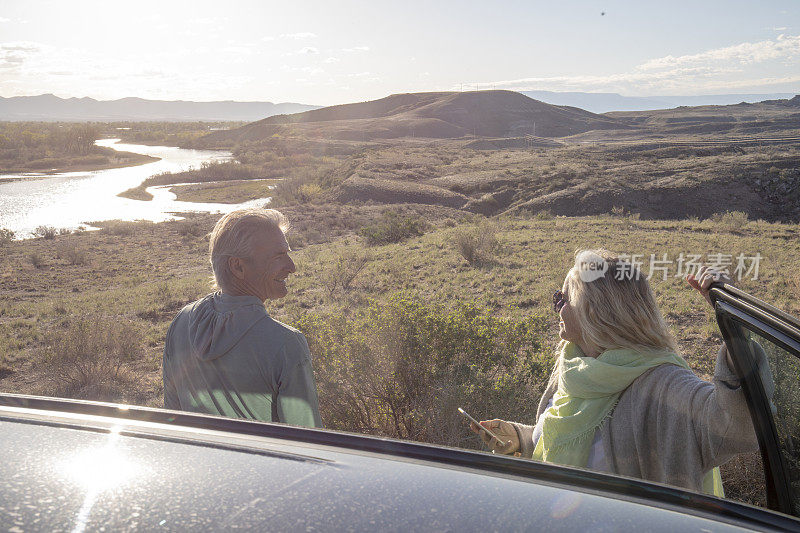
point(329, 52)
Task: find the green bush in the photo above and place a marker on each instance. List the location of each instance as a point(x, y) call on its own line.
point(301, 186)
point(391, 228)
point(401, 368)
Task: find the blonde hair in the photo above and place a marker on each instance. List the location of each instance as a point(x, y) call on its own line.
point(234, 234)
point(614, 304)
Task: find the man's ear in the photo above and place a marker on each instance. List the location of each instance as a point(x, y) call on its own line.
point(235, 266)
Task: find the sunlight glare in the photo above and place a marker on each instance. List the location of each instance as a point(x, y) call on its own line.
point(102, 468)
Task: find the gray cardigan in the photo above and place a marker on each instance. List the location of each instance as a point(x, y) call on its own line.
point(670, 426)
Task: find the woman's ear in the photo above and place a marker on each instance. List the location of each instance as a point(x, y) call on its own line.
point(236, 267)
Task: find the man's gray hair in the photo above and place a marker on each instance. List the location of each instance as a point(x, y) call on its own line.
point(234, 234)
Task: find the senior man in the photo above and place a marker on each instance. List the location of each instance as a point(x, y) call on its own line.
point(224, 355)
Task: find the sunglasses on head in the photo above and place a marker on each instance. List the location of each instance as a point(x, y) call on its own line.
point(558, 300)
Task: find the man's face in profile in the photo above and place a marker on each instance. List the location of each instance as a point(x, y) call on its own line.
point(265, 272)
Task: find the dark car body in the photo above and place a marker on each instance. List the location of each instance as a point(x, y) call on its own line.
point(87, 466)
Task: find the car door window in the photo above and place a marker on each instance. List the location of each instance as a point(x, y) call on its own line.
point(764, 343)
point(780, 380)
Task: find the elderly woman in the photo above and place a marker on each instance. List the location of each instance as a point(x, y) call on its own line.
point(621, 399)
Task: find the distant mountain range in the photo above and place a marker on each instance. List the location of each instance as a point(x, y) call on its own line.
point(605, 102)
point(51, 108)
point(439, 115)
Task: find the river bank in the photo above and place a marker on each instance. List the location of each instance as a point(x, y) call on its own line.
point(224, 192)
point(71, 200)
point(105, 159)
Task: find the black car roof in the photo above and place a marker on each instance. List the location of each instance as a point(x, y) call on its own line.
point(89, 465)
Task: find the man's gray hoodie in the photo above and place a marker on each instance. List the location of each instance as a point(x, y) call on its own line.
point(224, 355)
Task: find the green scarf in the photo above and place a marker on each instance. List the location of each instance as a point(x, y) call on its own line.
point(588, 391)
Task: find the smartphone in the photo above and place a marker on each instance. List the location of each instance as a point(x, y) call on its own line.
point(465, 414)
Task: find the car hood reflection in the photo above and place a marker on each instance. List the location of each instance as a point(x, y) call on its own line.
point(98, 470)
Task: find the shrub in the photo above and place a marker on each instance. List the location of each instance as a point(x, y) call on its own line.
point(299, 187)
point(544, 215)
point(477, 244)
point(6, 236)
point(64, 231)
point(191, 228)
point(86, 359)
point(341, 273)
point(46, 232)
point(401, 368)
point(119, 227)
point(35, 259)
point(391, 228)
point(731, 220)
point(308, 192)
point(72, 254)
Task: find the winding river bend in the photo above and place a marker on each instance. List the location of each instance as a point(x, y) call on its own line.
point(75, 199)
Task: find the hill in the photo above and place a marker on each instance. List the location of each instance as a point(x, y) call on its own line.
point(51, 108)
point(429, 115)
point(673, 164)
point(770, 116)
point(605, 102)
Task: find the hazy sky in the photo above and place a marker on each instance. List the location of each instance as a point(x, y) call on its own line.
point(336, 51)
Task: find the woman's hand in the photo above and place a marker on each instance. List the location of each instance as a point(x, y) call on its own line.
point(705, 277)
point(703, 280)
point(502, 429)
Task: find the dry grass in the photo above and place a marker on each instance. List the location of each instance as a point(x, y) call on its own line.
point(72, 253)
point(478, 244)
point(731, 220)
point(339, 274)
point(743, 479)
point(86, 357)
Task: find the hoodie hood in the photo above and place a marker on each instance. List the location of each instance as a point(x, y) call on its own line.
point(219, 321)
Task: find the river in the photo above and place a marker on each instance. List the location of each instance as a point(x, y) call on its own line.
point(74, 199)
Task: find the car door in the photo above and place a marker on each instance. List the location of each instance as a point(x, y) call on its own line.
point(764, 343)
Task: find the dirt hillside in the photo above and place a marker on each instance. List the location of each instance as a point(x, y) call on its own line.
point(429, 115)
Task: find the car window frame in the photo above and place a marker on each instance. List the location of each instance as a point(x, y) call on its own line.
point(734, 311)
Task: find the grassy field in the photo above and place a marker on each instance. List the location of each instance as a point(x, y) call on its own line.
point(133, 277)
point(126, 268)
